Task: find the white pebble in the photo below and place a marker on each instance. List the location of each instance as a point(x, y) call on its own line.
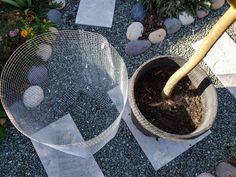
point(134, 31)
point(53, 30)
point(33, 96)
point(157, 36)
point(44, 51)
point(185, 18)
point(216, 4)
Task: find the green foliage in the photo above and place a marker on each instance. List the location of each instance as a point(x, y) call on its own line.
point(168, 8)
point(1, 132)
point(16, 28)
point(2, 112)
point(40, 7)
point(21, 4)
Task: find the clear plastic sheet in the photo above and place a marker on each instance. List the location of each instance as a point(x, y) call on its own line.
point(75, 70)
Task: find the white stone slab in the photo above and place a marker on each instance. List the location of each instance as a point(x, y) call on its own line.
point(221, 59)
point(158, 152)
point(57, 163)
point(96, 12)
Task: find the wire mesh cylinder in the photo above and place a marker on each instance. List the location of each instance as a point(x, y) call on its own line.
point(69, 72)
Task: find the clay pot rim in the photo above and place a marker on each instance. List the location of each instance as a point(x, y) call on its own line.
point(155, 131)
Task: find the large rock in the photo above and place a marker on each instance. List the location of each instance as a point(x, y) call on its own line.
point(137, 47)
point(138, 12)
point(54, 16)
point(157, 36)
point(172, 25)
point(44, 51)
point(134, 31)
point(185, 18)
point(225, 170)
point(38, 75)
point(205, 175)
point(33, 96)
point(202, 13)
point(216, 4)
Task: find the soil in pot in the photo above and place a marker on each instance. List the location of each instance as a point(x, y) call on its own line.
point(179, 115)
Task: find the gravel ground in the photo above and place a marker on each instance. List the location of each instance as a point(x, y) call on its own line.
point(122, 156)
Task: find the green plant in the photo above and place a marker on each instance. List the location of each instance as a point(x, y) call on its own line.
point(2, 112)
point(16, 28)
point(1, 132)
point(193, 5)
point(21, 4)
point(40, 7)
point(169, 8)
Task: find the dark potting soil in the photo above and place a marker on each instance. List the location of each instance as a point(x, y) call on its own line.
point(181, 114)
point(151, 23)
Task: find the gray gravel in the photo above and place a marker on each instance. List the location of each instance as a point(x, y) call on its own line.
point(122, 156)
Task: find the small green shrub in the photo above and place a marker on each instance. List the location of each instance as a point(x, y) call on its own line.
point(21, 4)
point(169, 8)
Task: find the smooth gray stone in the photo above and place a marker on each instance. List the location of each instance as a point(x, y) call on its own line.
point(172, 25)
point(202, 13)
point(38, 75)
point(54, 16)
point(137, 47)
point(225, 170)
point(186, 18)
point(138, 12)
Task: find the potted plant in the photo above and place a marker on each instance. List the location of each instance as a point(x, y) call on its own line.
point(171, 97)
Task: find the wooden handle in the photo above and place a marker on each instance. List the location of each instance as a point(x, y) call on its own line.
point(219, 28)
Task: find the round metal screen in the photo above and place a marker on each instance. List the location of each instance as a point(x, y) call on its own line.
point(56, 90)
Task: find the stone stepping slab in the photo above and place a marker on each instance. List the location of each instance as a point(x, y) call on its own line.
point(96, 12)
point(57, 163)
point(160, 152)
point(221, 60)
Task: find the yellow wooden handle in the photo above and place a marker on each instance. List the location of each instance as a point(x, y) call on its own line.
point(219, 28)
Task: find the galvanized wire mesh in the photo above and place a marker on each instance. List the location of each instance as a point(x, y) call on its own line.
point(71, 72)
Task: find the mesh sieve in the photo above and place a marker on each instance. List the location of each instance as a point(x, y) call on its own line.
point(69, 72)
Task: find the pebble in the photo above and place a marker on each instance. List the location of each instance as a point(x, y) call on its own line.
point(202, 13)
point(2, 121)
point(44, 51)
point(138, 12)
point(134, 31)
point(157, 36)
point(54, 16)
point(38, 75)
point(224, 169)
point(61, 2)
point(172, 25)
point(137, 47)
point(185, 18)
point(33, 96)
point(216, 4)
point(205, 175)
point(53, 30)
